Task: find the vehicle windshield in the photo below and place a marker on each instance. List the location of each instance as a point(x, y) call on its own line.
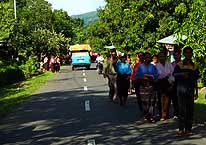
point(80, 54)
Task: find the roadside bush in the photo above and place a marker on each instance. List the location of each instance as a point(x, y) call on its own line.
point(10, 73)
point(203, 76)
point(30, 67)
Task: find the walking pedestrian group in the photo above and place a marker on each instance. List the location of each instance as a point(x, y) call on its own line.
point(51, 63)
point(156, 83)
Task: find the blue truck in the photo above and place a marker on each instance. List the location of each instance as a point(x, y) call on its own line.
point(80, 56)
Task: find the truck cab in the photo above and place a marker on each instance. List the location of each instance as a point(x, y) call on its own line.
point(80, 56)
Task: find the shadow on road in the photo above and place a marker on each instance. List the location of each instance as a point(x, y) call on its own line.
point(59, 117)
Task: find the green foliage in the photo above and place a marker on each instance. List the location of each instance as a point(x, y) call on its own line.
point(88, 18)
point(38, 29)
point(30, 67)
point(137, 25)
point(196, 36)
point(63, 23)
point(9, 73)
point(47, 42)
point(199, 109)
point(7, 19)
point(12, 95)
point(134, 26)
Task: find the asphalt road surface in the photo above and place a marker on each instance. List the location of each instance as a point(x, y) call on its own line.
point(73, 108)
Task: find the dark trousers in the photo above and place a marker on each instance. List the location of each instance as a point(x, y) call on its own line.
point(122, 88)
point(186, 109)
point(139, 101)
point(52, 67)
point(163, 88)
point(174, 100)
point(57, 67)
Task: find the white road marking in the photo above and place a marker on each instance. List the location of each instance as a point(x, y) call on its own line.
point(84, 79)
point(87, 106)
point(83, 74)
point(91, 142)
point(85, 88)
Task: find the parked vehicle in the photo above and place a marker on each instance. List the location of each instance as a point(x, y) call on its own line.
point(80, 56)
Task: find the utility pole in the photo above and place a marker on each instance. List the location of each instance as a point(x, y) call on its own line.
point(15, 9)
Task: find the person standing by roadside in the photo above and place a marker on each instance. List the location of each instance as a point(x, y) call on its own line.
point(177, 57)
point(154, 59)
point(165, 83)
point(46, 63)
point(136, 84)
point(186, 74)
point(58, 64)
point(110, 73)
point(147, 74)
point(129, 60)
point(52, 63)
point(123, 79)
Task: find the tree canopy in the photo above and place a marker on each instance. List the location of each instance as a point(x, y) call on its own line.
point(37, 29)
point(130, 25)
point(136, 25)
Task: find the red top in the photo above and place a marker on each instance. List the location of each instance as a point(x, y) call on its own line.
point(135, 69)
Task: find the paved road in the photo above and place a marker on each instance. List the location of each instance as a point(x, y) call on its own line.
point(73, 109)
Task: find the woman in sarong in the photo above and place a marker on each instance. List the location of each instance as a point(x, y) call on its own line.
point(147, 74)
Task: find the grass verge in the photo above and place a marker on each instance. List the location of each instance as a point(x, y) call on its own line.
point(12, 95)
point(200, 109)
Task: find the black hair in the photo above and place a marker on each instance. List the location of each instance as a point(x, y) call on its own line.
point(124, 56)
point(147, 53)
point(187, 48)
point(184, 51)
point(140, 53)
point(155, 55)
point(177, 51)
point(162, 52)
point(108, 55)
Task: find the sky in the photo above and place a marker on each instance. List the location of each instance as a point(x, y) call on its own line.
point(75, 7)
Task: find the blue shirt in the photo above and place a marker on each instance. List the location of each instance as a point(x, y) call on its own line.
point(123, 68)
point(143, 69)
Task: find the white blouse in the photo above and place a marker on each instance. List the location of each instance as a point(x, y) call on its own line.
point(165, 70)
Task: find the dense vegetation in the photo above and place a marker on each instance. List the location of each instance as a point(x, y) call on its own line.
point(36, 32)
point(89, 18)
point(131, 26)
point(134, 26)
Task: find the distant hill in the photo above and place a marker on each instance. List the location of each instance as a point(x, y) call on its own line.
point(88, 18)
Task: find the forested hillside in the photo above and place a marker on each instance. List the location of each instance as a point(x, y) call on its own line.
point(89, 18)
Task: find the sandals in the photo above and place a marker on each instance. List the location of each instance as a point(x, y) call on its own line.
point(188, 132)
point(150, 119)
point(180, 133)
point(162, 119)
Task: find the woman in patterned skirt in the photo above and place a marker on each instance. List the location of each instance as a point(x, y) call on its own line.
point(147, 74)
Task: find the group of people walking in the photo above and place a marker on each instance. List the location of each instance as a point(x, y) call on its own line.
point(52, 63)
point(157, 83)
